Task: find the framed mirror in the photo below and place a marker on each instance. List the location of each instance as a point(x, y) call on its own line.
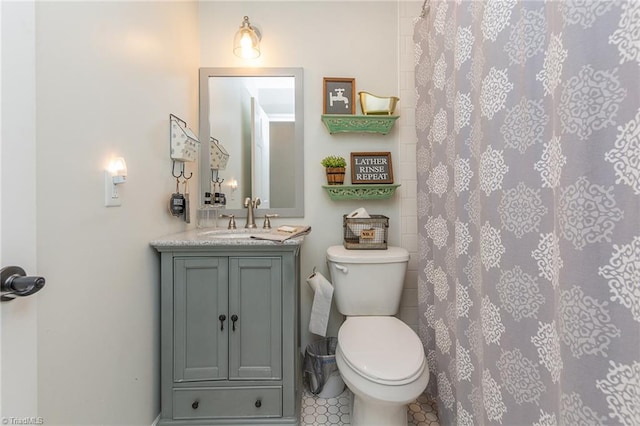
point(256, 116)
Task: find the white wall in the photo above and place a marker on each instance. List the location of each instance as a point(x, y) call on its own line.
point(108, 75)
point(327, 39)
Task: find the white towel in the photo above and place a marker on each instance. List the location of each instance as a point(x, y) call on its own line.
point(321, 308)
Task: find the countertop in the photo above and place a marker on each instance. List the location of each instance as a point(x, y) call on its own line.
point(212, 237)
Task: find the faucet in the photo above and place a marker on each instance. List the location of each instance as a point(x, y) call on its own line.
point(250, 205)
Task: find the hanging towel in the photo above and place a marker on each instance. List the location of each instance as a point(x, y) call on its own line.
point(323, 293)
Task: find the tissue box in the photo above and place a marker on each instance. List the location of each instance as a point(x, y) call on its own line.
point(365, 233)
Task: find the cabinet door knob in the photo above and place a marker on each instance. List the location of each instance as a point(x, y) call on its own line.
point(258, 403)
point(234, 318)
point(222, 318)
point(195, 405)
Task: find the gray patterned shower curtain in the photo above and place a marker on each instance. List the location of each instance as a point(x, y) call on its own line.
point(528, 159)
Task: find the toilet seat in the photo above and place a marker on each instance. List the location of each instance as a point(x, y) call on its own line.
point(382, 349)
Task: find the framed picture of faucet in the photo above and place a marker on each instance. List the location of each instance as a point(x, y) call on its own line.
point(339, 95)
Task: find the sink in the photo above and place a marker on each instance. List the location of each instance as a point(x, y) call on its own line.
point(228, 236)
point(231, 234)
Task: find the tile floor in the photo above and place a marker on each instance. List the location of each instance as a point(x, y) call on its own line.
point(335, 411)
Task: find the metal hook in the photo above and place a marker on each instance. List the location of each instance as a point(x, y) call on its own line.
point(217, 178)
point(184, 123)
point(181, 174)
point(173, 171)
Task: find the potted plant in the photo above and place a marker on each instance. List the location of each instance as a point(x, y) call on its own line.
point(335, 166)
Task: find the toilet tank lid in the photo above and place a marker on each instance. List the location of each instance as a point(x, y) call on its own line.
point(390, 255)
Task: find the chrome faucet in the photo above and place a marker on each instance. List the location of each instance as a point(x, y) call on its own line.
point(250, 205)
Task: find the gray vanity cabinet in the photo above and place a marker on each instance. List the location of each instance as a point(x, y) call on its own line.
point(229, 339)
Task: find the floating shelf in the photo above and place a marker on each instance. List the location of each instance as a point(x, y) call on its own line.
point(360, 192)
point(344, 123)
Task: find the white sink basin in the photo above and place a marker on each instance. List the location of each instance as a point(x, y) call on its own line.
point(231, 234)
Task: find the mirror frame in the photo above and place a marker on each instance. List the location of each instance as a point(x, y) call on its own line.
point(205, 132)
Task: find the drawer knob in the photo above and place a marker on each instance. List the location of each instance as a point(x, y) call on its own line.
point(195, 405)
point(258, 403)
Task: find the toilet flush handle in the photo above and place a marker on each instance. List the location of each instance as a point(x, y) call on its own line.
point(342, 268)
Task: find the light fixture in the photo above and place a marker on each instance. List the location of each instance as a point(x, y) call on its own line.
point(116, 174)
point(233, 185)
point(246, 43)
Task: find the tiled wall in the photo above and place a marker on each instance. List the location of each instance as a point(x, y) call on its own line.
point(407, 13)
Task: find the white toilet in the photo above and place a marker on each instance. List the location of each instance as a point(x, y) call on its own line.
point(380, 358)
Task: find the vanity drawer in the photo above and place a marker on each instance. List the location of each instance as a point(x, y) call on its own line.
point(195, 403)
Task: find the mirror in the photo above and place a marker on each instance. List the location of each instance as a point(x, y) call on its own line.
point(257, 116)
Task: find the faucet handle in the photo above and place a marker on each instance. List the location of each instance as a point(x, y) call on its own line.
point(256, 202)
point(267, 222)
point(232, 220)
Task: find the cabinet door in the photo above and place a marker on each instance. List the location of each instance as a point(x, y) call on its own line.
point(255, 296)
point(200, 299)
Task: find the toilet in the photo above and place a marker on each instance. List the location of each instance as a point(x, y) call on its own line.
point(380, 358)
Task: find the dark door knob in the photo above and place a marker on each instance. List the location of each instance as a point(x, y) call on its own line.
point(222, 318)
point(195, 405)
point(14, 282)
point(234, 318)
point(258, 403)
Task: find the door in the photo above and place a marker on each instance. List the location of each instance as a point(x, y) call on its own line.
point(18, 327)
point(260, 154)
point(201, 319)
point(255, 298)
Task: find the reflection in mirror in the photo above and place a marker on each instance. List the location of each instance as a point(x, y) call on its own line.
point(257, 116)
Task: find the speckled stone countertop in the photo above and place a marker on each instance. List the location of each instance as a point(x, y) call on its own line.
point(220, 237)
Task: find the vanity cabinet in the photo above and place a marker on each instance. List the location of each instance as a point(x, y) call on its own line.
point(229, 335)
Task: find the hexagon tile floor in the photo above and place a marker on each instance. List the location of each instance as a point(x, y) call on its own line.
point(335, 411)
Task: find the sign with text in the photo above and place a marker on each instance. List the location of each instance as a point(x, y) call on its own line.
point(371, 167)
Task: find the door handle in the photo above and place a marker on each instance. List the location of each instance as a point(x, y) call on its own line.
point(14, 282)
point(222, 318)
point(234, 318)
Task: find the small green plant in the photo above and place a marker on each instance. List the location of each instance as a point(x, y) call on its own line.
point(334, 161)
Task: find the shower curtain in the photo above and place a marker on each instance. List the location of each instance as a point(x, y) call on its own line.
point(528, 166)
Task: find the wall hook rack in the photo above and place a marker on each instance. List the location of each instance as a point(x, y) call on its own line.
point(218, 155)
point(215, 178)
point(181, 174)
point(183, 143)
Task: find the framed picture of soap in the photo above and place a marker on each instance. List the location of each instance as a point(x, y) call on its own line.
point(339, 95)
point(371, 167)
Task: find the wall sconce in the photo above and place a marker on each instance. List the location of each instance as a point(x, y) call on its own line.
point(246, 43)
point(116, 174)
point(233, 185)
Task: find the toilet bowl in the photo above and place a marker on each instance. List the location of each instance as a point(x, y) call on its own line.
point(382, 362)
point(380, 358)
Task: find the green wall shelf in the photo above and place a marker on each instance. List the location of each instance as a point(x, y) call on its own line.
point(344, 123)
point(360, 192)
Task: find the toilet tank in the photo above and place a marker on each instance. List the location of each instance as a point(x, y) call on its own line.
point(367, 282)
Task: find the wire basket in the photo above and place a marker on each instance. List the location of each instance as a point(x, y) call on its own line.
point(365, 233)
